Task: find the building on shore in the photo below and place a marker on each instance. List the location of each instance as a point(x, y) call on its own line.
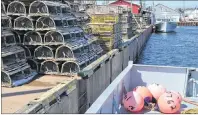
point(161, 10)
point(191, 14)
point(135, 7)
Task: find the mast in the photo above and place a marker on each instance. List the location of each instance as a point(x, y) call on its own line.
point(184, 10)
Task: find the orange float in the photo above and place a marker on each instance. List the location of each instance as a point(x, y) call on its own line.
point(156, 90)
point(168, 103)
point(133, 102)
point(179, 97)
point(144, 92)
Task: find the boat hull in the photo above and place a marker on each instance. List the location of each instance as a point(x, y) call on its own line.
point(166, 26)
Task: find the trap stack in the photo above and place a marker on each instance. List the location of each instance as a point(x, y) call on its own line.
point(52, 35)
point(112, 24)
point(106, 24)
point(15, 70)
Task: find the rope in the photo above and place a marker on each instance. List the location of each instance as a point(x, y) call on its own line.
point(190, 102)
point(190, 111)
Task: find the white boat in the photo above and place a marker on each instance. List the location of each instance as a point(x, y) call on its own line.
point(165, 25)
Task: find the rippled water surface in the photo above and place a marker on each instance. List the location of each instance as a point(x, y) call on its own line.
point(172, 49)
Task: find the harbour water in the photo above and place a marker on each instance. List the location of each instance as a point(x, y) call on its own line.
point(179, 48)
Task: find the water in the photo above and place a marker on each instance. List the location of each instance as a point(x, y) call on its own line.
point(179, 48)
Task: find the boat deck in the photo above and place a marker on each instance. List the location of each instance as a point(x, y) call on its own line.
point(15, 98)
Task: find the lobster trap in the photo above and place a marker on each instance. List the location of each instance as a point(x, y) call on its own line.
point(7, 38)
point(6, 22)
point(44, 8)
point(109, 42)
point(105, 28)
point(105, 18)
point(16, 8)
point(63, 52)
point(69, 68)
point(50, 67)
point(44, 52)
point(105, 9)
point(32, 38)
point(23, 23)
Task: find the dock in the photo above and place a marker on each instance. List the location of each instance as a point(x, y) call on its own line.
point(60, 65)
point(192, 23)
point(96, 77)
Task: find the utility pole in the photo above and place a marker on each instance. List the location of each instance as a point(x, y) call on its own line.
point(141, 4)
point(107, 2)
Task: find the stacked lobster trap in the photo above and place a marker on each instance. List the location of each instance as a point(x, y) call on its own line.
point(15, 70)
point(127, 23)
point(51, 35)
point(107, 26)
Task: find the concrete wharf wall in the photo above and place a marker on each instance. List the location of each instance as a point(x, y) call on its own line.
point(187, 23)
point(78, 95)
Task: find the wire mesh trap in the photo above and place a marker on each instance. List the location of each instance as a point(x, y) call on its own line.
point(49, 67)
point(23, 23)
point(34, 65)
point(6, 22)
point(63, 53)
point(45, 23)
point(69, 68)
point(53, 38)
point(28, 53)
point(16, 8)
point(6, 51)
point(7, 38)
point(43, 52)
point(3, 10)
point(17, 78)
point(17, 37)
point(44, 8)
point(32, 38)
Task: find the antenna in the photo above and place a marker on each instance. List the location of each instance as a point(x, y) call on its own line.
point(131, 7)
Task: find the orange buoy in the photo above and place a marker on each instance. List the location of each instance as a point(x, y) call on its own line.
point(168, 103)
point(133, 102)
point(177, 94)
point(144, 92)
point(156, 90)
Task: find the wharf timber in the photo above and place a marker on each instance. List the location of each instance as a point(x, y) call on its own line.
point(74, 95)
point(193, 23)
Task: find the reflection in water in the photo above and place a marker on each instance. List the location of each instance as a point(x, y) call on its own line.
point(179, 48)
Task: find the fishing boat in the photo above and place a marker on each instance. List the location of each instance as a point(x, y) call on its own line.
point(165, 25)
point(166, 18)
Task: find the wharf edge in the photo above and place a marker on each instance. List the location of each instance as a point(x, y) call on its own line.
point(87, 89)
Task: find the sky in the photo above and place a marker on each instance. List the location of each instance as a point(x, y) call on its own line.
point(170, 3)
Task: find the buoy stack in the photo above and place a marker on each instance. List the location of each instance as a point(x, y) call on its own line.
point(154, 97)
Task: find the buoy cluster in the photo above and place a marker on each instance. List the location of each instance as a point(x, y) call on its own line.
point(154, 97)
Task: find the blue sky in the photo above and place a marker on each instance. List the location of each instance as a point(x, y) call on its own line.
point(170, 3)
